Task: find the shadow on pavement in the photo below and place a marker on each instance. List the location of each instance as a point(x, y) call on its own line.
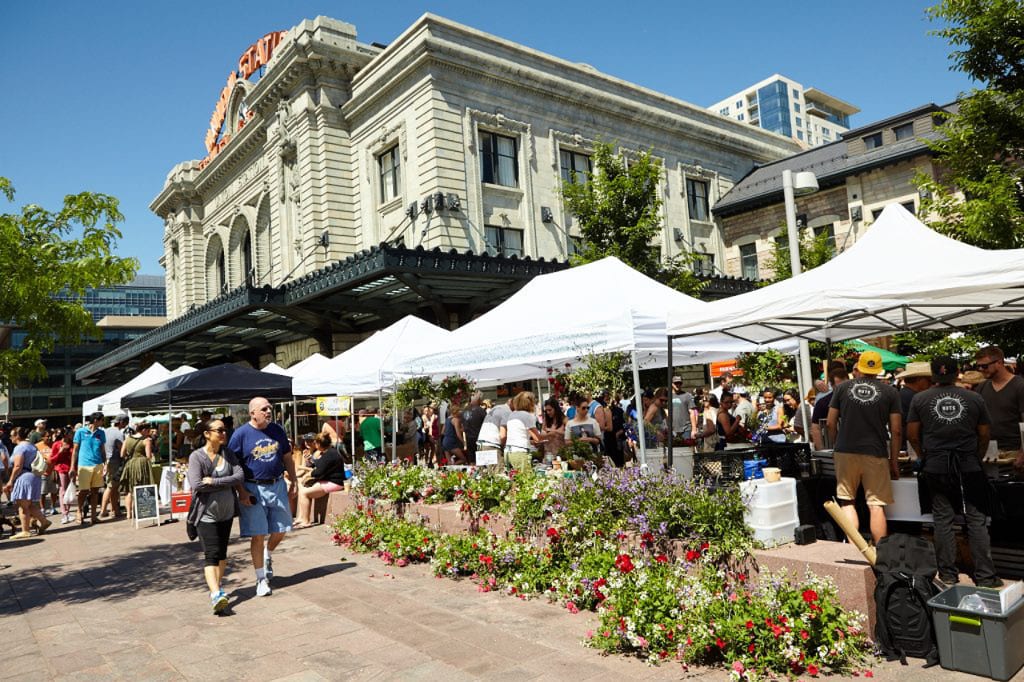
point(281, 581)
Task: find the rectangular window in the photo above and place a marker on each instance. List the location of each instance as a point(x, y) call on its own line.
point(799, 134)
point(498, 159)
point(799, 122)
point(909, 205)
point(873, 141)
point(740, 117)
point(796, 107)
point(724, 111)
point(575, 245)
point(704, 264)
point(389, 166)
point(697, 196)
point(904, 132)
point(576, 167)
point(739, 104)
point(875, 212)
point(796, 94)
point(829, 230)
point(504, 241)
point(825, 132)
point(748, 261)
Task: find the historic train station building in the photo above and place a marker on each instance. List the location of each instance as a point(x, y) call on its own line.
point(347, 184)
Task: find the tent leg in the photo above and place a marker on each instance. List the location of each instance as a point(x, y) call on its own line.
point(671, 397)
point(380, 411)
point(639, 412)
point(295, 421)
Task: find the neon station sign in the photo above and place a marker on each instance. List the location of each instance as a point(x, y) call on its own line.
point(255, 57)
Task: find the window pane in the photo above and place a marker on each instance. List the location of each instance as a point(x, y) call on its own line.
point(506, 151)
point(905, 131)
point(513, 242)
point(487, 161)
point(748, 261)
point(697, 194)
point(493, 237)
point(873, 141)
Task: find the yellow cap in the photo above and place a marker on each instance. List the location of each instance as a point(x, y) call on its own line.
point(870, 362)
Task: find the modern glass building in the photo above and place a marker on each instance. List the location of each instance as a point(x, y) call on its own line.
point(783, 106)
point(124, 313)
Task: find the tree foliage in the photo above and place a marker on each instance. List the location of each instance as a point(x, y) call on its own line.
point(599, 371)
point(618, 209)
point(46, 270)
point(979, 197)
point(814, 251)
point(767, 369)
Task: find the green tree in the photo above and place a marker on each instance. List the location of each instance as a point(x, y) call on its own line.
point(618, 210)
point(979, 196)
point(599, 371)
point(814, 251)
point(46, 271)
point(770, 369)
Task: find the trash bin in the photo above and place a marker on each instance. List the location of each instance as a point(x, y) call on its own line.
point(989, 643)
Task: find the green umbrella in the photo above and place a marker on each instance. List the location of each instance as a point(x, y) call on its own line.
point(890, 360)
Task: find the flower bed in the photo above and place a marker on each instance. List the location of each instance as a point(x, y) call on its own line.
point(665, 564)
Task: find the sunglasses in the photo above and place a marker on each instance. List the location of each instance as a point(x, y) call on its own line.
point(985, 365)
point(221, 430)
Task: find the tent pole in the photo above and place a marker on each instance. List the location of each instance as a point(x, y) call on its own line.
point(380, 420)
point(295, 421)
point(638, 398)
point(671, 398)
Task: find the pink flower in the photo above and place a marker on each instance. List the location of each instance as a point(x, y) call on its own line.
point(868, 673)
point(571, 606)
point(738, 666)
point(642, 642)
point(589, 634)
point(804, 634)
point(402, 562)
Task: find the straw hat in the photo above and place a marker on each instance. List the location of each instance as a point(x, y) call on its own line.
point(916, 369)
point(972, 377)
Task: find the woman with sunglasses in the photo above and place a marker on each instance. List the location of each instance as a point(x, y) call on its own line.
point(213, 473)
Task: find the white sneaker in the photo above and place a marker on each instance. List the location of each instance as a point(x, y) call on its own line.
point(65, 519)
point(263, 588)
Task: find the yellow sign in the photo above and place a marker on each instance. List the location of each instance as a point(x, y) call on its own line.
point(334, 406)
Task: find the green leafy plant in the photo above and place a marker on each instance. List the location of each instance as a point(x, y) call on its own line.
point(413, 390)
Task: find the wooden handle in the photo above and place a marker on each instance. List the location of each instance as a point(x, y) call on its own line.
point(851, 531)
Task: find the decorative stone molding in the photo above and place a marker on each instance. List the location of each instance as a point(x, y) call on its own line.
point(500, 123)
point(573, 141)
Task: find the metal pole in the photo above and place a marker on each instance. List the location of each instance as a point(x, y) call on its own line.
point(671, 404)
point(804, 356)
point(380, 419)
point(638, 399)
point(295, 421)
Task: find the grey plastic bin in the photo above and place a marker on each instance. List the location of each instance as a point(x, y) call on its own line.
point(989, 644)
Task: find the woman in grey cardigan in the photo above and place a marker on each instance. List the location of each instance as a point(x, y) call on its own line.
point(213, 473)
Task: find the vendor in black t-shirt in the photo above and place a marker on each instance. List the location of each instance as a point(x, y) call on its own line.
point(1003, 393)
point(949, 428)
point(328, 476)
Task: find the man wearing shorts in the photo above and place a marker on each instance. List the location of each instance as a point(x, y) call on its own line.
point(266, 454)
point(87, 466)
point(858, 415)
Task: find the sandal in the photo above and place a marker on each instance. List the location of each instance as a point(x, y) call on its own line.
point(301, 526)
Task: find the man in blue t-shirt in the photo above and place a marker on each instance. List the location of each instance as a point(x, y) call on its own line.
point(87, 464)
point(265, 453)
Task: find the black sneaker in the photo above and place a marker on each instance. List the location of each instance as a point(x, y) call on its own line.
point(991, 583)
point(949, 581)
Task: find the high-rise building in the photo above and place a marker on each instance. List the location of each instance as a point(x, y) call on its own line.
point(783, 106)
point(123, 313)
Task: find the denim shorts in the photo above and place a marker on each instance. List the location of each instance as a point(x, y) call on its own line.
point(271, 514)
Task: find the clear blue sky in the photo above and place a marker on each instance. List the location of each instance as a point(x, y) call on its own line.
point(107, 96)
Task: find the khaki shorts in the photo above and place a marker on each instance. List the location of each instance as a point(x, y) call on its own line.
point(852, 470)
point(90, 477)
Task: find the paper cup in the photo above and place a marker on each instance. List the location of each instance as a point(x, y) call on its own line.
point(771, 474)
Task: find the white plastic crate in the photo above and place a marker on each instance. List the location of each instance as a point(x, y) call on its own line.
point(771, 536)
point(772, 515)
point(759, 493)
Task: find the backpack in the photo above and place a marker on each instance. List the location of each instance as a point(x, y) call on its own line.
point(904, 574)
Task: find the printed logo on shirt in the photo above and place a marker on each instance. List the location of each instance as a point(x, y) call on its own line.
point(265, 449)
point(949, 409)
point(866, 393)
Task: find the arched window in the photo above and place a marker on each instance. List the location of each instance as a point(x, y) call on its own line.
point(248, 276)
point(222, 274)
point(216, 268)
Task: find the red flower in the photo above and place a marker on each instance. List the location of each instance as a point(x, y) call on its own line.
point(552, 532)
point(750, 625)
point(485, 518)
point(486, 560)
point(750, 648)
point(810, 596)
point(742, 577)
point(661, 559)
point(599, 583)
point(647, 538)
point(704, 546)
point(572, 607)
point(868, 673)
point(804, 634)
point(777, 631)
point(624, 563)
point(720, 642)
point(812, 670)
point(599, 596)
point(692, 555)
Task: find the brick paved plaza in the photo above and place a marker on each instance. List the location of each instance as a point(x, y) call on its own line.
point(111, 602)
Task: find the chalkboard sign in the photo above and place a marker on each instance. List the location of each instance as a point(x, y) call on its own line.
point(146, 504)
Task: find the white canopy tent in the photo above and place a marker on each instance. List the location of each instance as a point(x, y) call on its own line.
point(110, 403)
point(369, 367)
point(900, 275)
point(601, 307)
point(274, 368)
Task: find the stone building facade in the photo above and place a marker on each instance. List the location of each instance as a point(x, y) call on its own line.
point(858, 176)
point(448, 137)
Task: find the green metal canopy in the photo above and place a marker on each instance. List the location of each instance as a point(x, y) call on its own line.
point(890, 360)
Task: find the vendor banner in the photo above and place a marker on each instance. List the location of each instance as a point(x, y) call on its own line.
point(730, 366)
point(334, 406)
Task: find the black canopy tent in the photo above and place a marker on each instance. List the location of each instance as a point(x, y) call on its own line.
point(216, 385)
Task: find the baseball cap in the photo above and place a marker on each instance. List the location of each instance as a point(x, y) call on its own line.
point(870, 362)
point(40, 422)
point(677, 380)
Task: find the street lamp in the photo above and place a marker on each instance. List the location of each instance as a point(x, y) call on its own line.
point(798, 185)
